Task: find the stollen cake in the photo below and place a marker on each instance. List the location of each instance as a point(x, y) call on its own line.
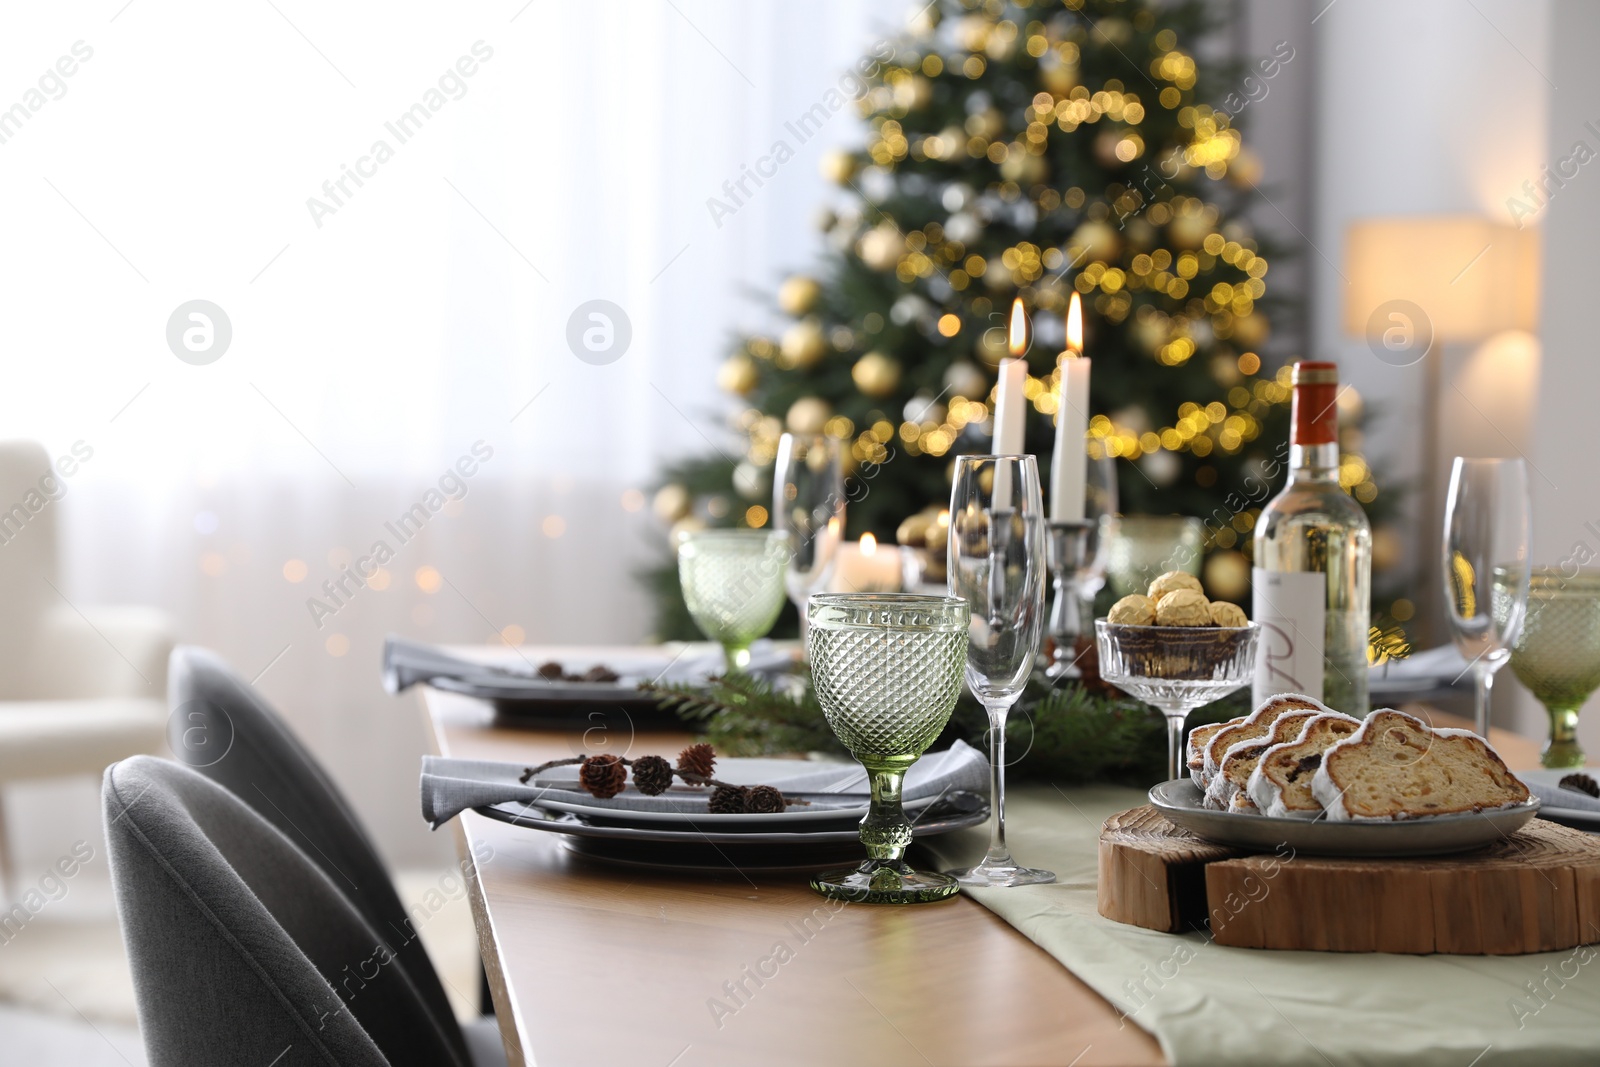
point(1199, 737)
point(1281, 783)
point(1397, 767)
point(1233, 772)
point(1257, 724)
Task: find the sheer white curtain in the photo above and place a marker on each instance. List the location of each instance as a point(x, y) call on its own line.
point(562, 153)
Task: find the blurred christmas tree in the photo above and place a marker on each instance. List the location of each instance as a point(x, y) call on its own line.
point(1020, 149)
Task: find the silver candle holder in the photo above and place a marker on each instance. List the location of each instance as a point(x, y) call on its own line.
point(1074, 552)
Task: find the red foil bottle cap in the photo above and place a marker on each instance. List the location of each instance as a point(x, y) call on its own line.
point(1316, 409)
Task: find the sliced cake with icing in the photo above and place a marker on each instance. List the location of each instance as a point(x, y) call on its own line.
point(1280, 785)
point(1199, 737)
point(1234, 770)
point(1257, 724)
point(1397, 767)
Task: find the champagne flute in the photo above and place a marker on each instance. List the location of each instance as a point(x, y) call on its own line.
point(733, 585)
point(808, 503)
point(887, 671)
point(997, 550)
point(1485, 531)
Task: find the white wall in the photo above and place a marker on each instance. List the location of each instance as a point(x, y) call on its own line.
point(1566, 435)
point(1429, 107)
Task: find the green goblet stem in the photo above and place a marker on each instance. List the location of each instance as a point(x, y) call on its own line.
point(1562, 750)
point(738, 657)
point(885, 831)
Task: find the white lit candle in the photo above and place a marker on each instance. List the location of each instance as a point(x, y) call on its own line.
point(867, 567)
point(1011, 403)
point(1068, 463)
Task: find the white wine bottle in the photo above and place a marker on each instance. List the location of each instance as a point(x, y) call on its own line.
point(1313, 563)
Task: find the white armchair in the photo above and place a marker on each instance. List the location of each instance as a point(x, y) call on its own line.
point(80, 688)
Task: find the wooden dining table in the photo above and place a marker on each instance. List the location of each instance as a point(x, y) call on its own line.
point(591, 962)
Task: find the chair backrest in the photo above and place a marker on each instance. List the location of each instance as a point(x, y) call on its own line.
point(222, 728)
point(242, 949)
point(29, 492)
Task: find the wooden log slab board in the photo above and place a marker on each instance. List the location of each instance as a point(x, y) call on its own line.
point(1535, 891)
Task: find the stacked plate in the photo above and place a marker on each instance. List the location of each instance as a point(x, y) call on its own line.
point(634, 829)
point(1566, 806)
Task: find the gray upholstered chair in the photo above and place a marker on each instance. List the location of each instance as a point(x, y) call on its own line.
point(242, 949)
point(224, 730)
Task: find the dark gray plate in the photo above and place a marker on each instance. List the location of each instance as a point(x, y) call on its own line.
point(710, 849)
point(1438, 835)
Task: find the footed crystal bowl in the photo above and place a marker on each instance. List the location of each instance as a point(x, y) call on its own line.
point(1176, 668)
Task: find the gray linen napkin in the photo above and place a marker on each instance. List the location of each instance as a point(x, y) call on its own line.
point(1542, 784)
point(406, 662)
point(450, 786)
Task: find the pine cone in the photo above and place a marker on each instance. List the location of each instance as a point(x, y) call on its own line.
point(604, 776)
point(699, 760)
point(1580, 783)
point(728, 799)
point(764, 800)
point(652, 775)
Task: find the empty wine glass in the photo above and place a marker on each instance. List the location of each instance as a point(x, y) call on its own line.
point(733, 585)
point(887, 670)
point(1485, 531)
point(1557, 655)
point(996, 553)
point(808, 503)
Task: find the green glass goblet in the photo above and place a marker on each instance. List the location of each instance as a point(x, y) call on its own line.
point(733, 584)
point(1557, 655)
point(887, 669)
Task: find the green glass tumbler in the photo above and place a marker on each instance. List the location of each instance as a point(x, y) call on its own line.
point(887, 668)
point(1557, 655)
point(733, 585)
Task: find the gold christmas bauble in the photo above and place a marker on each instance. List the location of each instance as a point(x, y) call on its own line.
point(913, 93)
point(991, 346)
point(1246, 169)
point(876, 374)
point(1024, 168)
point(965, 379)
point(1187, 231)
point(1094, 240)
point(803, 345)
point(798, 295)
point(738, 375)
point(838, 167)
point(881, 247)
point(1059, 78)
point(1151, 331)
point(914, 530)
point(1249, 331)
point(1227, 575)
point(1105, 148)
point(671, 502)
point(808, 415)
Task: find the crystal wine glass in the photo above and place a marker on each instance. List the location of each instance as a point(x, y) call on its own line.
point(808, 503)
point(996, 552)
point(733, 584)
point(1557, 655)
point(887, 671)
point(1485, 529)
point(1176, 668)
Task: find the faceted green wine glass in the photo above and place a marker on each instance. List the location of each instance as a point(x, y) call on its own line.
point(887, 670)
point(733, 584)
point(1557, 655)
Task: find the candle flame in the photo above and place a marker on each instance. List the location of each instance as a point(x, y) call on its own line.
point(1075, 326)
point(869, 545)
point(1017, 332)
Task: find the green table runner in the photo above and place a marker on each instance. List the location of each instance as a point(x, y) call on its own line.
point(1208, 1004)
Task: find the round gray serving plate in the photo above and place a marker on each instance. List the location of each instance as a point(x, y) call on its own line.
point(1438, 835)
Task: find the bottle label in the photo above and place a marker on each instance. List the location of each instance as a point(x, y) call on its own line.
point(1291, 608)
